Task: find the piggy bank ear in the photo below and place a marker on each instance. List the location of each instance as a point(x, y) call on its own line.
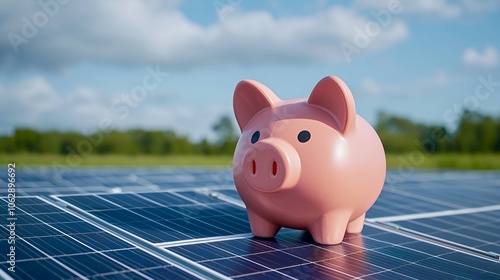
point(333, 95)
point(250, 97)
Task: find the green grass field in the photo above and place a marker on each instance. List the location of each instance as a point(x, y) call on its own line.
point(116, 160)
point(439, 161)
point(446, 161)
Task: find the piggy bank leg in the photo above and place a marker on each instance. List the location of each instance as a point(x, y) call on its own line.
point(356, 226)
point(330, 228)
point(260, 226)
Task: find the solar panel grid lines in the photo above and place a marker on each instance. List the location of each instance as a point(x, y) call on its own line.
point(426, 176)
point(343, 261)
point(168, 244)
point(438, 256)
point(86, 212)
point(478, 231)
point(142, 216)
point(432, 200)
point(63, 255)
point(390, 204)
point(252, 258)
point(62, 265)
point(230, 194)
point(216, 242)
point(144, 244)
point(216, 194)
point(456, 247)
point(453, 227)
point(478, 198)
point(53, 259)
point(186, 213)
point(450, 244)
point(436, 214)
point(221, 196)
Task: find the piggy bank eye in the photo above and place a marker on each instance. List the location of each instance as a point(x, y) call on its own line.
point(255, 137)
point(304, 136)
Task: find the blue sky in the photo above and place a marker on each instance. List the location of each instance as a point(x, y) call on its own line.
point(72, 65)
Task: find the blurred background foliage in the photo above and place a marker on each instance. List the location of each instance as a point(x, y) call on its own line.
point(129, 142)
point(475, 133)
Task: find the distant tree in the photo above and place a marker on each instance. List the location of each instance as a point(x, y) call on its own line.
point(486, 134)
point(178, 145)
point(433, 139)
point(496, 147)
point(466, 136)
point(118, 142)
point(69, 141)
point(401, 135)
point(476, 133)
point(205, 147)
point(50, 142)
point(27, 140)
point(6, 144)
point(224, 129)
point(226, 134)
point(184, 146)
point(149, 142)
point(397, 134)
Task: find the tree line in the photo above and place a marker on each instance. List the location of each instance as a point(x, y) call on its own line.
point(129, 142)
point(475, 133)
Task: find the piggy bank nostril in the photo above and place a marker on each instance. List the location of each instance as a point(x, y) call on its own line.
point(275, 168)
point(254, 167)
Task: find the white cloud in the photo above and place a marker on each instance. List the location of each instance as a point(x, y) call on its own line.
point(370, 86)
point(434, 8)
point(440, 8)
point(479, 7)
point(147, 32)
point(416, 87)
point(26, 100)
point(34, 103)
point(489, 58)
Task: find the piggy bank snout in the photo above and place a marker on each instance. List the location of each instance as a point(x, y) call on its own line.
point(271, 165)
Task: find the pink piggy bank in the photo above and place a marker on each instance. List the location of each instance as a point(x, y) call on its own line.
point(310, 164)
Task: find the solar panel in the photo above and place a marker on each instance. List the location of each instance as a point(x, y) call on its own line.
point(165, 216)
point(376, 254)
point(479, 230)
point(53, 243)
point(190, 223)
